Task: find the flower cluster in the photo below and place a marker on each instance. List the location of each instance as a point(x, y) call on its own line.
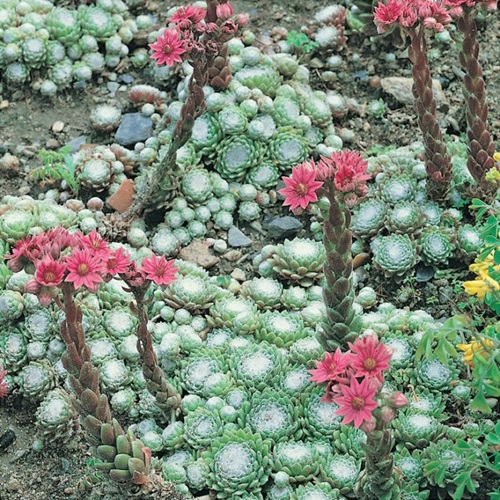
point(4, 390)
point(475, 347)
point(345, 170)
point(57, 256)
point(354, 382)
point(407, 14)
point(483, 283)
point(193, 32)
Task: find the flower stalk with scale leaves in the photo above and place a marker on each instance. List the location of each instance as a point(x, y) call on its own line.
point(340, 181)
point(414, 17)
point(480, 161)
point(198, 36)
point(61, 263)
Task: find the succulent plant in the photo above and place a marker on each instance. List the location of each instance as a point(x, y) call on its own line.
point(13, 350)
point(294, 298)
point(15, 224)
point(264, 78)
point(258, 366)
point(306, 351)
point(234, 313)
point(349, 441)
point(190, 292)
point(198, 367)
point(317, 491)
point(271, 414)
point(368, 217)
point(404, 218)
point(341, 472)
point(320, 420)
point(280, 329)
point(417, 430)
point(469, 241)
point(299, 260)
point(236, 156)
point(298, 459)
point(36, 379)
point(240, 462)
point(434, 375)
point(265, 292)
point(197, 475)
point(287, 148)
point(397, 188)
point(436, 246)
point(55, 416)
point(411, 465)
point(394, 254)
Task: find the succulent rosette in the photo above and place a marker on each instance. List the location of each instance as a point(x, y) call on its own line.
point(240, 463)
point(298, 459)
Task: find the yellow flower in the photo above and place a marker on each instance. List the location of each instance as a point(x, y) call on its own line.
point(482, 265)
point(480, 347)
point(496, 156)
point(481, 286)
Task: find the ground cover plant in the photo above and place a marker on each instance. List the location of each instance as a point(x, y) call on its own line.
point(180, 358)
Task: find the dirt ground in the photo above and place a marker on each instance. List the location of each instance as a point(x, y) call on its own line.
point(26, 124)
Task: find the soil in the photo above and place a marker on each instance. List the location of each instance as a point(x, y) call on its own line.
point(26, 125)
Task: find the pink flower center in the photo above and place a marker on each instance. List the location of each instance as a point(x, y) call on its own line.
point(301, 189)
point(369, 364)
point(82, 269)
point(111, 263)
point(160, 271)
point(167, 49)
point(358, 403)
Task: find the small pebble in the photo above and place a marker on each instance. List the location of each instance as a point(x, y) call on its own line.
point(58, 127)
point(233, 255)
point(4, 104)
point(13, 485)
point(239, 275)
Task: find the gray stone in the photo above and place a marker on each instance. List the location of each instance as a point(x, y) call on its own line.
point(237, 239)
point(135, 127)
point(75, 143)
point(424, 273)
point(400, 88)
point(283, 227)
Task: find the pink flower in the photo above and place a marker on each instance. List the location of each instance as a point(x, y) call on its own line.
point(49, 272)
point(301, 187)
point(351, 170)
point(387, 414)
point(386, 14)
point(96, 244)
point(185, 16)
point(117, 262)
point(331, 366)
point(4, 390)
point(356, 403)
point(84, 269)
point(371, 357)
point(25, 250)
point(158, 269)
point(224, 10)
point(168, 48)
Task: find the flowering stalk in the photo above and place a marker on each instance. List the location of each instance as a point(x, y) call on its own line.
point(414, 17)
point(341, 181)
point(480, 160)
point(354, 382)
point(64, 262)
point(199, 37)
point(166, 397)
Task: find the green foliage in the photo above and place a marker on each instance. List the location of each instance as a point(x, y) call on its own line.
point(440, 342)
point(301, 42)
point(57, 166)
point(477, 456)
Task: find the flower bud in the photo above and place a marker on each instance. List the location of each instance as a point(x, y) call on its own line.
point(398, 400)
point(224, 10)
point(387, 414)
point(32, 286)
point(368, 425)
